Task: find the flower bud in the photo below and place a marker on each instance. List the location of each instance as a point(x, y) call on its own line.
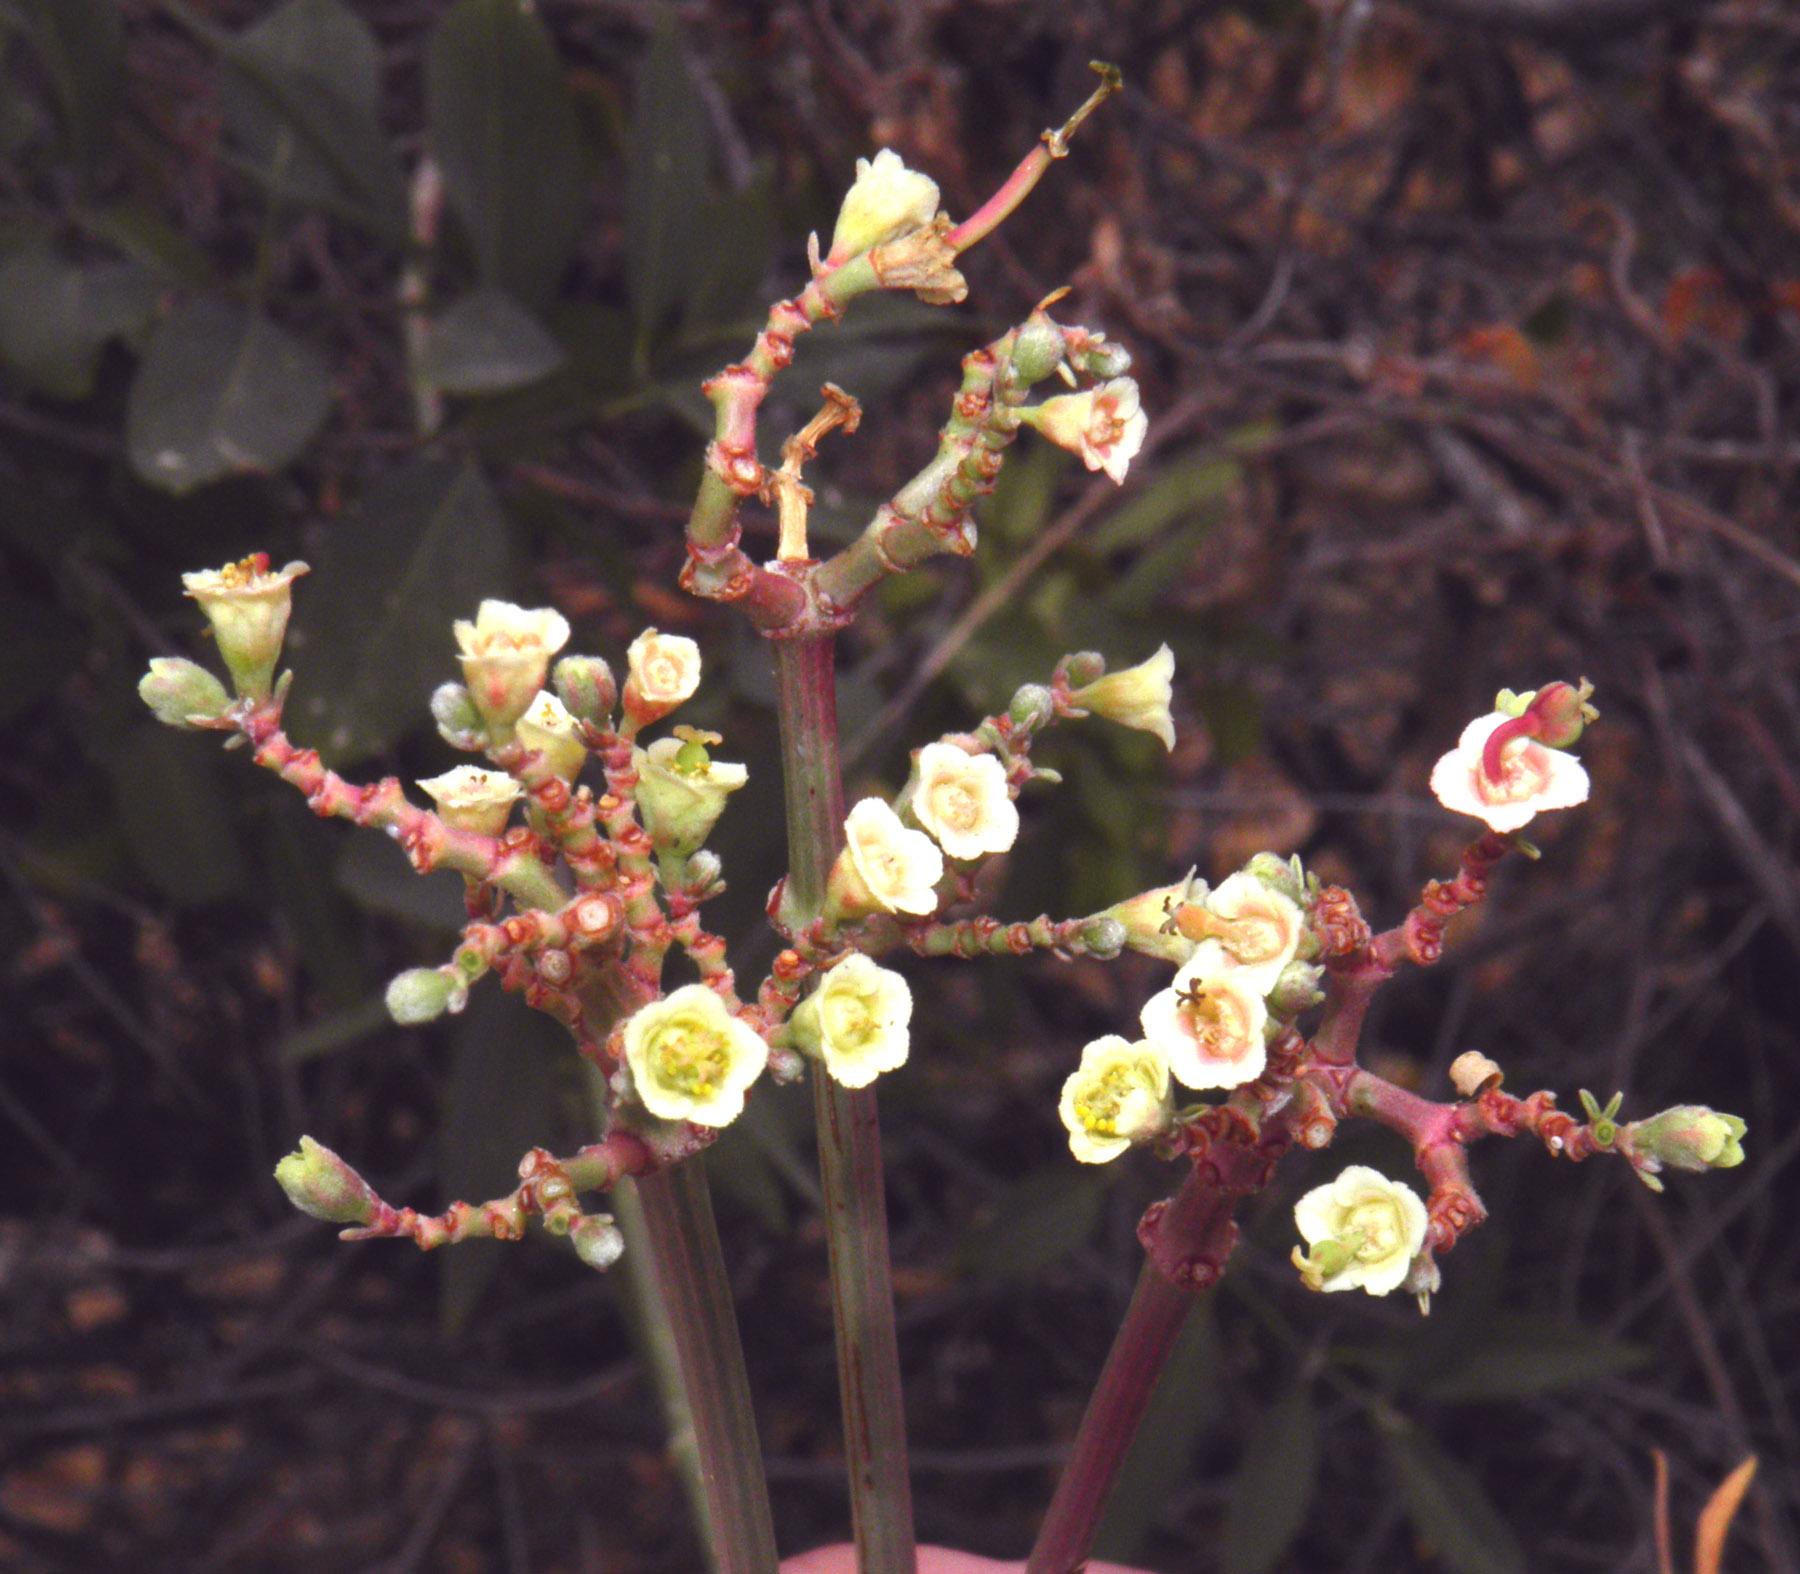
point(319, 1183)
point(1297, 988)
point(248, 608)
point(1083, 667)
point(1472, 1073)
point(422, 994)
point(1690, 1137)
point(703, 870)
point(1562, 711)
point(459, 724)
point(182, 693)
point(471, 799)
point(1032, 707)
point(1039, 349)
point(681, 791)
point(586, 687)
point(1103, 937)
point(547, 727)
point(505, 653)
point(1137, 697)
point(597, 1240)
point(888, 200)
point(1285, 875)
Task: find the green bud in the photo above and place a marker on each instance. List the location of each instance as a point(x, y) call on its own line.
point(318, 1182)
point(1038, 350)
point(459, 724)
point(1083, 668)
point(1103, 937)
point(422, 994)
point(1690, 1137)
point(1101, 358)
point(1280, 874)
point(586, 686)
point(597, 1240)
point(703, 870)
point(181, 692)
point(1298, 989)
point(1032, 707)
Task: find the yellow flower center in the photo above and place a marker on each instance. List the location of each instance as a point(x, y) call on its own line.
point(956, 805)
point(1117, 1092)
point(689, 1057)
point(848, 1018)
point(243, 575)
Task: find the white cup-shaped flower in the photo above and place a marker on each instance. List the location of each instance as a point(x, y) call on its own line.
point(885, 866)
point(1104, 426)
point(1533, 777)
point(1362, 1230)
point(691, 1059)
point(1209, 1022)
point(1248, 927)
point(247, 606)
point(1117, 1096)
point(856, 1021)
point(664, 670)
point(887, 200)
point(962, 799)
point(505, 653)
point(469, 798)
point(682, 790)
point(1136, 697)
point(546, 726)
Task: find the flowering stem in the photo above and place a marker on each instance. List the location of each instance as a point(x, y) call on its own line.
point(849, 1135)
point(695, 1294)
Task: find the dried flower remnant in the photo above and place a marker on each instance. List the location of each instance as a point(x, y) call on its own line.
point(1209, 1023)
point(856, 1021)
point(962, 799)
point(505, 654)
point(1532, 777)
point(1117, 1096)
point(1362, 1230)
point(691, 1059)
point(248, 607)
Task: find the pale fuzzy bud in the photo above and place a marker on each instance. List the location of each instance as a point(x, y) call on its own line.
point(1104, 426)
point(248, 608)
point(319, 1183)
point(1136, 697)
point(182, 693)
point(597, 1240)
point(459, 724)
point(1102, 938)
point(887, 201)
point(1039, 348)
point(856, 1021)
point(1690, 1137)
point(962, 800)
point(1210, 1025)
point(1533, 777)
point(691, 1059)
point(1119, 1095)
point(664, 671)
point(1083, 667)
point(885, 866)
point(505, 653)
point(1423, 1280)
point(923, 261)
point(422, 994)
point(1298, 989)
point(586, 686)
point(547, 727)
point(1364, 1231)
point(1285, 875)
point(681, 791)
point(472, 799)
point(1032, 708)
point(1150, 923)
point(1473, 1072)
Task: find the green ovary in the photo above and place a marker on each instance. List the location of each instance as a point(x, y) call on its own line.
point(689, 1058)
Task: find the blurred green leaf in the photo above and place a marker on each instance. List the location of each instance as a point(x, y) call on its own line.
point(1195, 482)
point(1450, 1509)
point(1156, 568)
point(666, 202)
point(1161, 1458)
point(1020, 505)
point(341, 1030)
point(730, 268)
point(56, 316)
point(376, 875)
point(82, 44)
point(222, 392)
point(501, 1101)
point(146, 238)
point(175, 813)
point(1233, 719)
point(1274, 1486)
point(1513, 1356)
point(487, 343)
point(301, 95)
point(1032, 1223)
point(371, 635)
point(503, 129)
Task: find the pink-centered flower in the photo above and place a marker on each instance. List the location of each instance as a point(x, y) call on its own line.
point(1532, 777)
point(1104, 425)
point(1209, 1024)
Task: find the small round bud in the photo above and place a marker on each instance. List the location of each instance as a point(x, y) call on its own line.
point(597, 1241)
point(182, 693)
point(1039, 348)
point(1084, 667)
point(1032, 707)
point(586, 687)
point(422, 994)
point(319, 1183)
point(1297, 988)
point(459, 724)
point(1103, 937)
point(703, 870)
point(1472, 1073)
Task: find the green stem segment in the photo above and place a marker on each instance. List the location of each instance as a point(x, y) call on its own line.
point(689, 1273)
point(849, 1132)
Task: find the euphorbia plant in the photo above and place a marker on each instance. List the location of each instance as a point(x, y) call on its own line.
point(583, 847)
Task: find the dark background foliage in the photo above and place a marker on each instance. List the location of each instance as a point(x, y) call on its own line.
point(1469, 329)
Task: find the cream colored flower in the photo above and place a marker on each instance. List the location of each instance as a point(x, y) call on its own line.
point(887, 865)
point(1104, 425)
point(1210, 1025)
point(1136, 697)
point(682, 790)
point(1533, 777)
point(856, 1021)
point(1249, 928)
point(547, 727)
point(961, 798)
point(691, 1059)
point(248, 608)
point(1117, 1096)
point(505, 653)
point(888, 200)
point(1364, 1231)
point(664, 671)
point(471, 799)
